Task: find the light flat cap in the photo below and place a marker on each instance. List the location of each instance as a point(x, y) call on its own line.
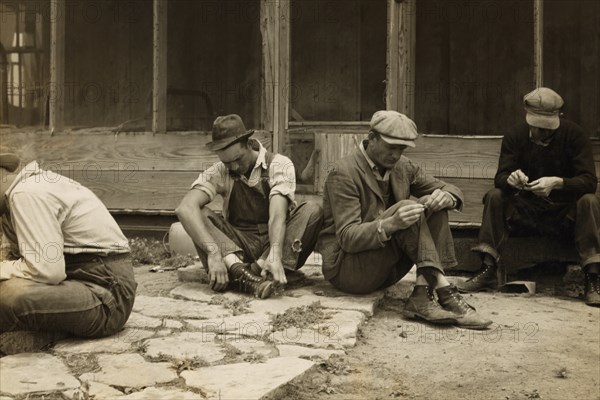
point(394, 128)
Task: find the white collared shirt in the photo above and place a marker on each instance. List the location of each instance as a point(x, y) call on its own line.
point(216, 180)
point(50, 215)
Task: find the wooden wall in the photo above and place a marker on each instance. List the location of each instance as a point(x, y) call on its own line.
point(474, 63)
point(338, 59)
point(108, 61)
point(572, 58)
point(214, 47)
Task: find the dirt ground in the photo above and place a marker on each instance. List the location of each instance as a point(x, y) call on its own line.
point(539, 347)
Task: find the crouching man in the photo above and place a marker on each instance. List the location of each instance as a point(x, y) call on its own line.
point(65, 263)
point(545, 186)
point(261, 230)
point(373, 234)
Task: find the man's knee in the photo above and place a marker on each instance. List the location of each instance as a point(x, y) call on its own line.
point(493, 197)
point(13, 301)
point(588, 202)
point(315, 212)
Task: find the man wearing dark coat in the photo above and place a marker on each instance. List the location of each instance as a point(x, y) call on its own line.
point(373, 232)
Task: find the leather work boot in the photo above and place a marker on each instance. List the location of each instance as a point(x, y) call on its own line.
point(421, 304)
point(482, 281)
point(465, 314)
point(247, 282)
point(592, 290)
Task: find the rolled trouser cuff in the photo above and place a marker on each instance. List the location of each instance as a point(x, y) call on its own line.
point(484, 248)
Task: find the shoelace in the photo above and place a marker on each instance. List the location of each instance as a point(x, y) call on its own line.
point(461, 302)
point(595, 284)
point(480, 275)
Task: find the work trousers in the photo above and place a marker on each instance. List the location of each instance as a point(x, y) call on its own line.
point(94, 301)
point(249, 244)
point(524, 213)
point(427, 243)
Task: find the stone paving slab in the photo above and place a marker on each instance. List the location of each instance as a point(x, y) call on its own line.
point(243, 325)
point(203, 293)
point(119, 343)
point(161, 394)
point(137, 320)
point(96, 389)
point(34, 372)
point(166, 307)
point(247, 381)
point(187, 345)
point(130, 370)
point(338, 332)
point(207, 332)
point(287, 350)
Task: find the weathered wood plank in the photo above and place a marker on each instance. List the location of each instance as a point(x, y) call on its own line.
point(538, 43)
point(143, 151)
point(132, 189)
point(159, 79)
point(57, 65)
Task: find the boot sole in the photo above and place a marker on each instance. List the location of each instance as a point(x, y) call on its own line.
point(474, 327)
point(480, 290)
point(415, 315)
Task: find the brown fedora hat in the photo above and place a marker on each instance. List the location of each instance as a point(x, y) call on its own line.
point(227, 130)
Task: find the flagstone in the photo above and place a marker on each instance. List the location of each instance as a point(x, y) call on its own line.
point(255, 324)
point(28, 373)
point(167, 307)
point(152, 393)
point(187, 345)
point(286, 350)
point(95, 389)
point(130, 370)
point(118, 343)
point(203, 293)
point(247, 381)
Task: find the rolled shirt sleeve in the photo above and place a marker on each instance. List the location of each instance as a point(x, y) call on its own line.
point(282, 177)
point(212, 180)
point(40, 241)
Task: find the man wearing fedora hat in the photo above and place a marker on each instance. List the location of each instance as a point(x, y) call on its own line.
point(261, 230)
point(545, 185)
point(373, 234)
point(65, 264)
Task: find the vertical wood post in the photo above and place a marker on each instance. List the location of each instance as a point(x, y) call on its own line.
point(275, 32)
point(159, 78)
point(538, 43)
point(400, 89)
point(57, 65)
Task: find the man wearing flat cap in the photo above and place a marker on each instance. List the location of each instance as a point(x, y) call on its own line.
point(262, 231)
point(545, 185)
point(373, 234)
point(65, 264)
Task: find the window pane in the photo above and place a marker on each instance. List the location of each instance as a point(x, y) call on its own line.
point(215, 62)
point(572, 58)
point(474, 63)
point(338, 52)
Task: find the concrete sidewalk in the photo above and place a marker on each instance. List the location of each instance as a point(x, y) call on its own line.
point(194, 344)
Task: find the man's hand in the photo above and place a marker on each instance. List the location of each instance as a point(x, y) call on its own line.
point(406, 216)
point(544, 186)
point(273, 265)
point(217, 272)
point(439, 200)
point(518, 179)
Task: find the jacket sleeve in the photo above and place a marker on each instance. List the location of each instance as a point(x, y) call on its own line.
point(508, 161)
point(584, 178)
point(353, 234)
point(422, 184)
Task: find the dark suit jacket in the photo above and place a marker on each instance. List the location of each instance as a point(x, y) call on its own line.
point(352, 202)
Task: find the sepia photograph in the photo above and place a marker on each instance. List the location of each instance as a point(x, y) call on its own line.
point(299, 199)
